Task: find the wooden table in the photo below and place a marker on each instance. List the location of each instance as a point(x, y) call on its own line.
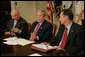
point(17, 50)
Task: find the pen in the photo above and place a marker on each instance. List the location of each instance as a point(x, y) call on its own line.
point(47, 46)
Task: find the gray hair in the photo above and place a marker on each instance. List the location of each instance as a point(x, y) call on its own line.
point(15, 11)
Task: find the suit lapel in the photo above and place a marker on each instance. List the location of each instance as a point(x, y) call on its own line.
point(12, 23)
point(18, 22)
point(61, 31)
point(41, 27)
point(70, 33)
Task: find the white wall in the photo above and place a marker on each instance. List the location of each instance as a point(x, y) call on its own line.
point(41, 5)
point(27, 10)
point(13, 5)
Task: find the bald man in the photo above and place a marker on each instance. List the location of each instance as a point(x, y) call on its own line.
point(17, 26)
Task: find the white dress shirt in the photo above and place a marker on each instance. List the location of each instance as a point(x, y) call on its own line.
point(68, 27)
point(15, 23)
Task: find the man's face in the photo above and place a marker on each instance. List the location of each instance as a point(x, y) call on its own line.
point(40, 16)
point(15, 16)
point(62, 18)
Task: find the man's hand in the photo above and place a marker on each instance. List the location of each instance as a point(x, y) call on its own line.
point(57, 48)
point(33, 35)
point(45, 43)
point(7, 33)
point(15, 30)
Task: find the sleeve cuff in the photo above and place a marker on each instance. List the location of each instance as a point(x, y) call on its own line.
point(20, 31)
point(37, 37)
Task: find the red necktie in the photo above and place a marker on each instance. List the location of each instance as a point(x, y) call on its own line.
point(35, 31)
point(64, 39)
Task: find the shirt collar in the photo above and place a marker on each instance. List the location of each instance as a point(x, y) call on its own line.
point(69, 26)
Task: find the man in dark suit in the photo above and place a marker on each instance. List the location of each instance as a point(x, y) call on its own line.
point(2, 22)
point(17, 26)
point(41, 30)
point(73, 40)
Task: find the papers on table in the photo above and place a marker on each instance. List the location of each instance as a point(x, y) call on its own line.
point(10, 38)
point(10, 43)
point(42, 46)
point(17, 41)
point(35, 54)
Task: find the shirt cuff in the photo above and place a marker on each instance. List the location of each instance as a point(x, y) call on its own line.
point(20, 31)
point(37, 37)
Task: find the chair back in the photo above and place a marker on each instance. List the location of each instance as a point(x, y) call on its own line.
point(54, 31)
point(29, 26)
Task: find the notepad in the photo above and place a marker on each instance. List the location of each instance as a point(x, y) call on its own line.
point(42, 46)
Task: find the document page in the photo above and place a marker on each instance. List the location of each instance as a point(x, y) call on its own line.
point(17, 41)
point(42, 46)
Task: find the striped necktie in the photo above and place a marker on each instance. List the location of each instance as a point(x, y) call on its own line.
point(35, 31)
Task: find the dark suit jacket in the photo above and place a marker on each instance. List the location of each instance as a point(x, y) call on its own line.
point(75, 39)
point(3, 24)
point(44, 31)
point(21, 24)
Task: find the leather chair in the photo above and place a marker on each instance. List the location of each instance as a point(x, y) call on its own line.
point(29, 26)
point(54, 31)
